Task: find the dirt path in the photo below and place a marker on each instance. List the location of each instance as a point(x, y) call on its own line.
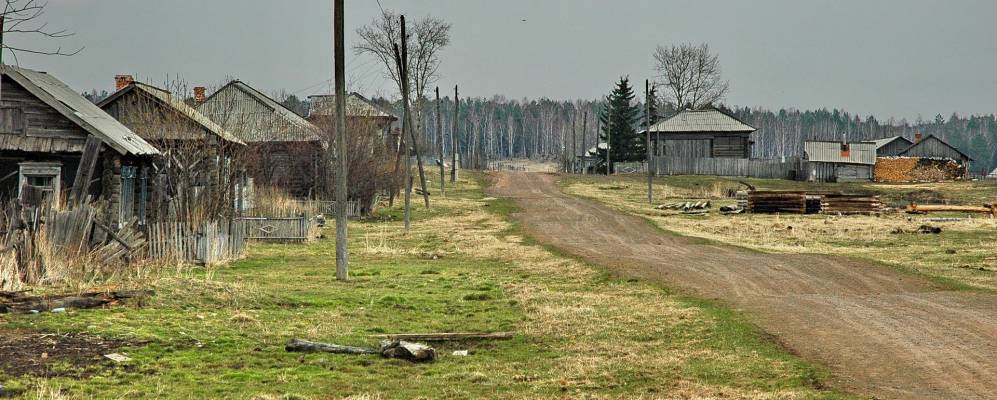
point(881, 332)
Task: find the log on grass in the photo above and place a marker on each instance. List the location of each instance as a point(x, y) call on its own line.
point(448, 336)
point(298, 345)
point(78, 301)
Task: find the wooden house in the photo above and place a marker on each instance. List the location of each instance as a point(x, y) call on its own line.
point(932, 147)
point(891, 146)
point(361, 115)
point(285, 150)
point(196, 177)
point(838, 161)
point(54, 139)
point(706, 133)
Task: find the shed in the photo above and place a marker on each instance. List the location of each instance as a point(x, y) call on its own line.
point(286, 151)
point(706, 133)
point(361, 113)
point(935, 148)
point(838, 161)
point(53, 138)
point(891, 146)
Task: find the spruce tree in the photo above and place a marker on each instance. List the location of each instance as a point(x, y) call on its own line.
point(619, 119)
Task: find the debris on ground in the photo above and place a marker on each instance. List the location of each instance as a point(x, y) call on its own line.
point(929, 229)
point(400, 349)
point(447, 336)
point(460, 353)
point(685, 206)
point(117, 357)
point(727, 210)
point(18, 302)
point(21, 353)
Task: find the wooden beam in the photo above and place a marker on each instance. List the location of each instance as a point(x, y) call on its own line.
point(84, 173)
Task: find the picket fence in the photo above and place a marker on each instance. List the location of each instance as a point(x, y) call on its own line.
point(292, 229)
point(208, 243)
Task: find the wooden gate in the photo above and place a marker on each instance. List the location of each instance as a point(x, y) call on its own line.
point(293, 229)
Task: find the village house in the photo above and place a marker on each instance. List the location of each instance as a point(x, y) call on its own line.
point(55, 140)
point(361, 113)
point(706, 133)
point(195, 176)
point(838, 161)
point(286, 151)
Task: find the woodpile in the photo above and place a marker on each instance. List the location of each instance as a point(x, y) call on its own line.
point(769, 202)
point(916, 169)
point(850, 204)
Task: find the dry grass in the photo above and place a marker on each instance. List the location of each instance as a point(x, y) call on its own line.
point(964, 252)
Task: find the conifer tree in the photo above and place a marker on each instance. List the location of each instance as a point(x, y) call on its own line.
point(619, 120)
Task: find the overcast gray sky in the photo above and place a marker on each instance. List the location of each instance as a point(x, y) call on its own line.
point(888, 58)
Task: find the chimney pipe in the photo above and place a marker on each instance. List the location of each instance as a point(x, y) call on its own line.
point(121, 81)
point(199, 96)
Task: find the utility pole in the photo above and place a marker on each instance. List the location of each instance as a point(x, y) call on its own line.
point(400, 63)
point(609, 148)
point(454, 136)
point(647, 123)
point(585, 148)
point(574, 142)
point(439, 130)
point(342, 256)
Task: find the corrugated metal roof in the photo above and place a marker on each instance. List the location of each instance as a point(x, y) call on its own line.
point(708, 120)
point(356, 106)
point(81, 111)
point(258, 118)
point(170, 101)
point(858, 153)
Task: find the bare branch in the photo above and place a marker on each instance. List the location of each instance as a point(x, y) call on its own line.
point(21, 18)
point(692, 75)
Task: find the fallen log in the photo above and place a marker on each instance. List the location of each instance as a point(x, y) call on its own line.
point(298, 345)
point(926, 208)
point(447, 336)
point(401, 349)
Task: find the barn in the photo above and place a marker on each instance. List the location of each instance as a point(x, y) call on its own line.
point(891, 146)
point(61, 144)
point(705, 133)
point(838, 161)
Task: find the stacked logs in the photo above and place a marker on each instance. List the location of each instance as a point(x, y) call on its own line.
point(767, 202)
point(850, 204)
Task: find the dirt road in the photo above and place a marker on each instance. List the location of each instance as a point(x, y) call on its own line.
point(883, 333)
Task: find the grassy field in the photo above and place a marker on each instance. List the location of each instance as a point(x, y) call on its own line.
point(220, 332)
point(964, 254)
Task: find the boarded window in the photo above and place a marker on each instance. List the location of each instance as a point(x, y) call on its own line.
point(11, 120)
point(43, 177)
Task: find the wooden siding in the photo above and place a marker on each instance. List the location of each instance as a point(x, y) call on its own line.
point(932, 147)
point(772, 169)
point(154, 121)
point(43, 129)
point(731, 147)
point(687, 148)
point(703, 144)
point(834, 172)
point(893, 148)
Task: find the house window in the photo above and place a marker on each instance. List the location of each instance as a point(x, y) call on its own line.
point(127, 209)
point(40, 176)
point(11, 120)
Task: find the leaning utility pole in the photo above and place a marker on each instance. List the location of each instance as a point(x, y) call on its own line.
point(439, 133)
point(455, 136)
point(647, 124)
point(574, 141)
point(342, 256)
point(406, 128)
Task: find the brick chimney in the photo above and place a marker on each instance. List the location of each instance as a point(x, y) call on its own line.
point(917, 137)
point(845, 150)
point(199, 96)
point(120, 81)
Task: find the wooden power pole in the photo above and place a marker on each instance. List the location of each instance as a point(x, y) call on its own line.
point(585, 148)
point(647, 123)
point(439, 133)
point(455, 136)
point(342, 256)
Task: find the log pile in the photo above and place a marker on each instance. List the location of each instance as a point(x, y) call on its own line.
point(768, 202)
point(850, 204)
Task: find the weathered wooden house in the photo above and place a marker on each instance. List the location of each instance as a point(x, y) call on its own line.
point(891, 146)
point(706, 133)
point(838, 161)
point(932, 147)
point(195, 176)
point(361, 113)
point(54, 139)
point(286, 151)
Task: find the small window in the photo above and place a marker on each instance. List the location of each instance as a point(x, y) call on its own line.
point(41, 176)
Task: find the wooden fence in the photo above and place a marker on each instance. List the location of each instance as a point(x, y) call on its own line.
point(293, 229)
point(753, 168)
point(208, 243)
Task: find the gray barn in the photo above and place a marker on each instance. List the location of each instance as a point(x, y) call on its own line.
point(838, 162)
point(891, 146)
point(707, 133)
point(933, 147)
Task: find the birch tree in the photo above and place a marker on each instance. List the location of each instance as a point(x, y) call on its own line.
point(692, 75)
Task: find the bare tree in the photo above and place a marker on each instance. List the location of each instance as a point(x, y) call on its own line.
point(22, 18)
point(692, 75)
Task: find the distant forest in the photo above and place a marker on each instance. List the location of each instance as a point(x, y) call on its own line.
point(501, 128)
